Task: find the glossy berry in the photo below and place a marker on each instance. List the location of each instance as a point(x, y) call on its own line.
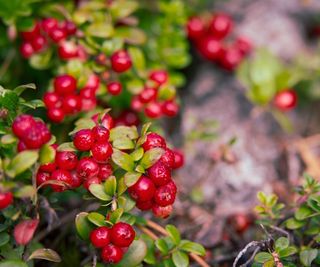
point(170, 108)
point(164, 196)
point(143, 190)
point(128, 118)
point(146, 205)
point(36, 137)
point(159, 76)
point(154, 140)
point(159, 173)
point(121, 61)
point(88, 93)
point(195, 28)
point(71, 104)
point(100, 134)
point(69, 27)
point(153, 110)
point(48, 167)
point(172, 186)
point(65, 84)
point(136, 104)
point(57, 35)
point(111, 254)
point(286, 100)
point(101, 152)
point(100, 237)
point(114, 88)
point(122, 234)
point(90, 181)
point(148, 95)
point(162, 212)
point(22, 124)
point(220, 26)
point(51, 100)
point(43, 132)
point(42, 177)
point(87, 168)
point(93, 82)
point(168, 158)
point(31, 33)
point(67, 50)
point(243, 45)
point(210, 48)
point(55, 114)
point(61, 176)
point(6, 199)
point(83, 140)
point(48, 24)
point(105, 170)
point(38, 43)
point(21, 146)
point(26, 49)
point(231, 58)
point(88, 103)
point(178, 159)
point(66, 160)
point(76, 180)
point(107, 121)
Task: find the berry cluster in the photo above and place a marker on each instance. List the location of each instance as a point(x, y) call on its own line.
point(286, 100)
point(32, 133)
point(113, 241)
point(50, 31)
point(149, 102)
point(156, 190)
point(209, 39)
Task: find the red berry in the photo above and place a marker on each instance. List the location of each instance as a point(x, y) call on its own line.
point(114, 88)
point(38, 43)
point(61, 176)
point(76, 181)
point(100, 237)
point(162, 212)
point(220, 26)
point(48, 24)
point(65, 84)
point(42, 177)
point(159, 76)
point(154, 140)
point(164, 196)
point(21, 146)
point(6, 199)
point(210, 48)
point(66, 160)
point(136, 104)
point(71, 104)
point(43, 132)
point(69, 27)
point(87, 168)
point(111, 254)
point(83, 140)
point(107, 121)
point(143, 190)
point(90, 181)
point(51, 100)
point(100, 134)
point(172, 187)
point(148, 95)
point(286, 100)
point(129, 118)
point(93, 82)
point(195, 28)
point(121, 61)
point(168, 158)
point(153, 110)
point(240, 222)
point(101, 152)
point(26, 50)
point(32, 33)
point(48, 167)
point(55, 114)
point(105, 170)
point(88, 92)
point(170, 108)
point(122, 234)
point(57, 34)
point(231, 58)
point(159, 173)
point(67, 50)
point(22, 124)
point(147, 205)
point(178, 159)
point(243, 45)
point(88, 103)
point(33, 138)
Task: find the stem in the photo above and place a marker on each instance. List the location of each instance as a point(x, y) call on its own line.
point(7, 62)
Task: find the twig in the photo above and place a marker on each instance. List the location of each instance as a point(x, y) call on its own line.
point(244, 251)
point(251, 258)
point(278, 229)
point(148, 232)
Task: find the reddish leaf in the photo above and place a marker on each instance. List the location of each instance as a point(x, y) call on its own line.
point(24, 231)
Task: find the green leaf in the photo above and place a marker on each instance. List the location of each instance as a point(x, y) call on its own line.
point(4, 239)
point(292, 223)
point(134, 36)
point(116, 215)
point(151, 157)
point(122, 9)
point(137, 58)
point(134, 86)
point(100, 29)
point(8, 139)
point(45, 254)
point(180, 259)
point(137, 154)
point(98, 190)
point(314, 202)
point(283, 253)
point(134, 255)
point(123, 160)
point(174, 234)
point(123, 143)
point(162, 246)
point(96, 218)
point(26, 191)
point(130, 178)
point(307, 256)
point(23, 161)
point(66, 147)
point(110, 46)
point(150, 258)
point(126, 203)
point(166, 92)
point(145, 128)
point(110, 185)
point(11, 10)
point(47, 154)
point(83, 226)
point(263, 257)
point(21, 88)
point(282, 243)
point(13, 263)
point(302, 213)
point(41, 61)
point(124, 131)
point(192, 247)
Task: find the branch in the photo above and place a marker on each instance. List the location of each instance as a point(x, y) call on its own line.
point(244, 251)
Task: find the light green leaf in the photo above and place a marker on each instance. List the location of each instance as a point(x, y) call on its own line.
point(23, 161)
point(13, 263)
point(45, 254)
point(96, 218)
point(180, 259)
point(98, 190)
point(83, 226)
point(282, 243)
point(110, 185)
point(173, 232)
point(134, 255)
point(116, 215)
point(47, 154)
point(307, 256)
point(130, 178)
point(151, 156)
point(192, 247)
point(123, 160)
point(263, 257)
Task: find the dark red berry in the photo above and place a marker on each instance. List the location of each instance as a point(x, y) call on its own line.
point(172, 186)
point(143, 190)
point(240, 222)
point(22, 124)
point(164, 196)
point(111, 254)
point(159, 76)
point(57, 34)
point(48, 24)
point(210, 48)
point(90, 181)
point(178, 159)
point(147, 205)
point(76, 180)
point(71, 104)
point(87, 168)
point(168, 158)
point(195, 28)
point(286, 100)
point(67, 50)
point(38, 43)
point(65, 84)
point(101, 152)
point(51, 100)
point(161, 212)
point(88, 92)
point(121, 61)
point(69, 27)
point(21, 146)
point(105, 170)
point(100, 237)
point(243, 45)
point(26, 50)
point(114, 88)
point(42, 177)
point(6, 199)
point(100, 134)
point(154, 140)
point(66, 160)
point(122, 234)
point(55, 114)
point(148, 95)
point(231, 58)
point(83, 140)
point(159, 173)
point(63, 176)
point(153, 110)
point(48, 167)
point(32, 139)
point(170, 108)
point(220, 26)
point(31, 33)
point(128, 118)
point(136, 104)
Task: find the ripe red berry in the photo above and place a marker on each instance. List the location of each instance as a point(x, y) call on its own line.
point(48, 24)
point(111, 254)
point(88, 103)
point(38, 43)
point(69, 27)
point(101, 152)
point(195, 28)
point(43, 132)
point(154, 140)
point(76, 180)
point(147, 205)
point(6, 199)
point(136, 104)
point(114, 88)
point(48, 167)
point(87, 168)
point(107, 121)
point(66, 160)
point(170, 108)
point(220, 26)
point(161, 212)
point(122, 234)
point(55, 114)
point(100, 134)
point(143, 190)
point(148, 95)
point(210, 48)
point(90, 181)
point(100, 237)
point(31, 33)
point(243, 45)
point(231, 58)
point(57, 34)
point(172, 186)
point(61, 176)
point(164, 196)
point(159, 76)
point(33, 139)
point(51, 100)
point(21, 146)
point(42, 177)
point(286, 100)
point(22, 124)
point(153, 110)
point(128, 118)
point(240, 222)
point(26, 50)
point(83, 140)
point(178, 159)
point(121, 61)
point(105, 170)
point(168, 158)
point(65, 84)
point(71, 104)
point(67, 50)
point(93, 82)
point(159, 173)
